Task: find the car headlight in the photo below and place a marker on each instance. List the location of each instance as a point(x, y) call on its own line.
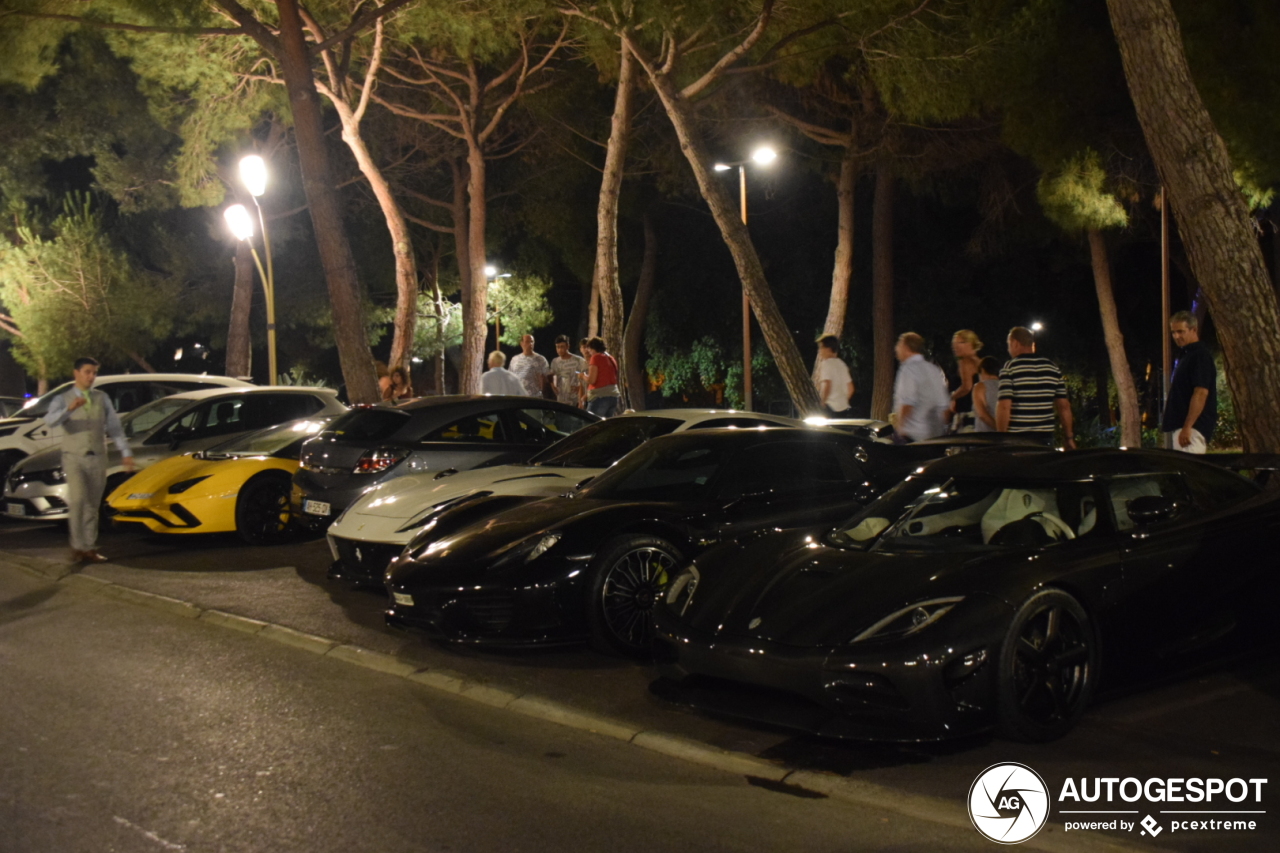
point(182, 485)
point(54, 476)
point(680, 593)
point(909, 620)
point(544, 545)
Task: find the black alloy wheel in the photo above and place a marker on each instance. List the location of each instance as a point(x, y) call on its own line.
point(1048, 668)
point(628, 577)
point(263, 516)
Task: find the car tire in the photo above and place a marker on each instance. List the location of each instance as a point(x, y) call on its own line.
point(105, 511)
point(263, 514)
point(1048, 668)
point(627, 578)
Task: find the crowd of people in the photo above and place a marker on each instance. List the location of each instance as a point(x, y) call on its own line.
point(589, 380)
point(1026, 396)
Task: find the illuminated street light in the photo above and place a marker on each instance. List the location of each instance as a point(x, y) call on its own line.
point(491, 273)
point(253, 174)
point(762, 156)
point(1037, 326)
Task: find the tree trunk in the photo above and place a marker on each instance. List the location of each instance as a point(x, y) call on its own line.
point(406, 265)
point(1213, 218)
point(1126, 390)
point(605, 278)
point(633, 340)
point(475, 293)
point(349, 333)
point(882, 331)
point(593, 309)
point(239, 341)
point(843, 269)
point(776, 333)
point(1102, 395)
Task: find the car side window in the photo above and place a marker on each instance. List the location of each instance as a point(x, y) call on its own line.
point(224, 417)
point(127, 396)
point(798, 467)
point(544, 426)
point(187, 425)
point(1214, 488)
point(1123, 489)
point(264, 410)
point(486, 427)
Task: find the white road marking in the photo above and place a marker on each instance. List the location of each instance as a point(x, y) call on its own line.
point(168, 845)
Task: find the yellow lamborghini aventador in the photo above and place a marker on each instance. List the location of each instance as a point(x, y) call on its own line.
point(242, 486)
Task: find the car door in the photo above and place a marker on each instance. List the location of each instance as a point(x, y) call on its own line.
point(540, 427)
point(465, 442)
point(1178, 572)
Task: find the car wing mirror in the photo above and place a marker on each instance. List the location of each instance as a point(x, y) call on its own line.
point(1150, 509)
point(447, 472)
point(582, 483)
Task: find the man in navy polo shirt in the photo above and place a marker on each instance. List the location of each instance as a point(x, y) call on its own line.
point(1191, 412)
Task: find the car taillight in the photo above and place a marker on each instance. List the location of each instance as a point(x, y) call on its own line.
point(377, 461)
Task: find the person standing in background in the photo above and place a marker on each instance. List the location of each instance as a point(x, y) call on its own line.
point(530, 368)
point(87, 419)
point(603, 395)
point(986, 391)
point(965, 345)
point(1032, 393)
point(1191, 412)
point(832, 378)
point(920, 396)
point(567, 371)
point(498, 380)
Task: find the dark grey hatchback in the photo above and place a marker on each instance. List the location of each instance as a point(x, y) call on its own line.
point(372, 444)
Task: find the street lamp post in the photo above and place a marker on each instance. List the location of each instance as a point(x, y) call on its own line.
point(491, 273)
point(253, 173)
point(762, 156)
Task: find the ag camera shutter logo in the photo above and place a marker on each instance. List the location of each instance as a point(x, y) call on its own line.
point(1009, 803)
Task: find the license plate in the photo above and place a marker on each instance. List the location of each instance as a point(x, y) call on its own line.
point(403, 598)
point(315, 507)
point(16, 509)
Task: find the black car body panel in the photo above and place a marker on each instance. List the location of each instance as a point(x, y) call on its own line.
point(791, 619)
point(372, 444)
point(446, 571)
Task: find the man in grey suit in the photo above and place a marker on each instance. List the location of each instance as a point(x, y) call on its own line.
point(87, 419)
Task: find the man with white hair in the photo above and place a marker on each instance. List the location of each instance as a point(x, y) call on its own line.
point(498, 380)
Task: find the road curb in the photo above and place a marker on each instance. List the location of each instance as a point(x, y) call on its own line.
point(867, 794)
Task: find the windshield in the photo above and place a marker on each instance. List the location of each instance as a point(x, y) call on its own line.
point(39, 406)
point(283, 440)
point(972, 514)
point(664, 470)
point(145, 418)
point(604, 443)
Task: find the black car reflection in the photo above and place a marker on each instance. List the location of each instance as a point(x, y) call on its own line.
point(984, 592)
point(591, 564)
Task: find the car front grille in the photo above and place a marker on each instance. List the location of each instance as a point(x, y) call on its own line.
point(368, 559)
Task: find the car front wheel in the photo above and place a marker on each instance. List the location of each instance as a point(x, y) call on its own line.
point(263, 515)
point(1048, 668)
point(627, 578)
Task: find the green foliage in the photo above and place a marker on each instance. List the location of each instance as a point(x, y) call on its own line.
point(70, 291)
point(521, 303)
point(1074, 196)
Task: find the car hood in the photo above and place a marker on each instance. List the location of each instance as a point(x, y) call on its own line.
point(225, 475)
point(405, 497)
point(793, 590)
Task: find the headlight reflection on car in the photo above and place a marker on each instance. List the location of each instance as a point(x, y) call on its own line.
point(544, 545)
point(680, 593)
point(909, 620)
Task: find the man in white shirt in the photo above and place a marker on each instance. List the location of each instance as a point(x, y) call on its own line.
point(920, 395)
point(832, 378)
point(566, 373)
point(530, 368)
point(498, 380)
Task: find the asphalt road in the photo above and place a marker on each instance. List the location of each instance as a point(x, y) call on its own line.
point(128, 729)
point(1215, 720)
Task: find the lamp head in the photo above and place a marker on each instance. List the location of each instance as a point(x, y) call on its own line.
point(490, 271)
point(253, 173)
point(1037, 326)
point(721, 167)
point(239, 220)
point(764, 155)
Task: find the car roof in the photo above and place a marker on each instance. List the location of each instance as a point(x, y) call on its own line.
point(205, 393)
point(693, 416)
point(1057, 465)
point(760, 436)
point(228, 381)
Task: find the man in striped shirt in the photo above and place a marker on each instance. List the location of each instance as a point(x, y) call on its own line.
point(1032, 393)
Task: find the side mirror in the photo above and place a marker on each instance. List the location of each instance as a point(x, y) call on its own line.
point(1150, 509)
point(582, 483)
